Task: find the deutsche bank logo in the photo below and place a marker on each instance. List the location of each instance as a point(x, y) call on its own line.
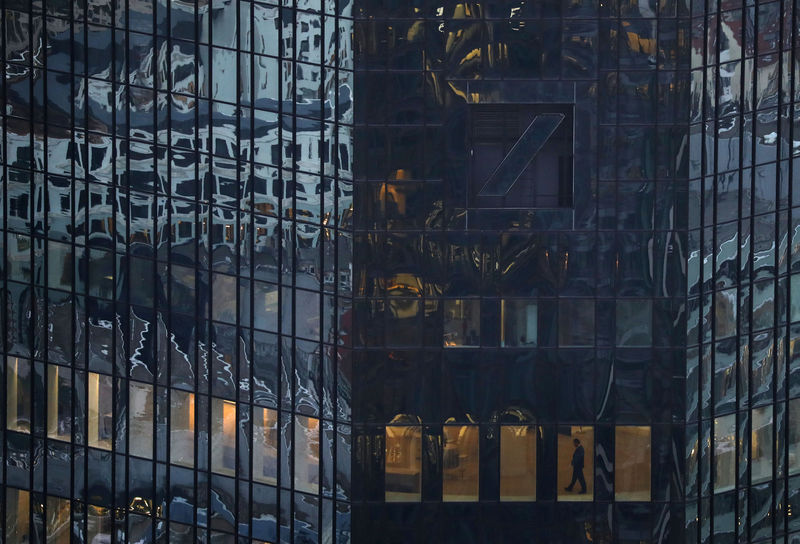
point(521, 155)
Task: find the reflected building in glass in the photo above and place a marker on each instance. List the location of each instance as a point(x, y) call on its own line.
point(399, 271)
point(177, 203)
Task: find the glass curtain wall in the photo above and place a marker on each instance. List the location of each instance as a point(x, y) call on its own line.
point(176, 271)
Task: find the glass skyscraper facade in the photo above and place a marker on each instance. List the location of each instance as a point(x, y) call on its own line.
point(399, 271)
point(177, 268)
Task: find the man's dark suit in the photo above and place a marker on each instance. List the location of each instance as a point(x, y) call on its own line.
point(577, 469)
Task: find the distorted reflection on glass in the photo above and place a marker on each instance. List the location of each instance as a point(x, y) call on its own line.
point(306, 454)
point(520, 321)
point(793, 462)
point(575, 477)
point(462, 325)
point(58, 524)
point(724, 453)
point(17, 515)
point(101, 423)
point(140, 419)
point(98, 524)
point(460, 462)
point(265, 445)
point(762, 444)
point(18, 394)
point(223, 436)
point(518, 462)
point(59, 402)
point(181, 428)
point(634, 323)
point(403, 464)
point(632, 463)
point(575, 322)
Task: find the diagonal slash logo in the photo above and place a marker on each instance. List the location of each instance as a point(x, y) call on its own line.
point(522, 154)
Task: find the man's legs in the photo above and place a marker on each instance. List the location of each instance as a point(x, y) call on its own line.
point(581, 479)
point(574, 479)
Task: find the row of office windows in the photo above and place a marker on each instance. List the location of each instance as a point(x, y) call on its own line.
point(519, 463)
point(97, 429)
point(521, 322)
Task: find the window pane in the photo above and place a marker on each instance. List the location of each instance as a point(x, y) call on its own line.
point(181, 425)
point(724, 453)
point(18, 395)
point(460, 463)
point(17, 515)
point(634, 323)
point(462, 325)
point(99, 524)
point(306, 454)
point(520, 323)
point(140, 419)
point(518, 462)
point(575, 463)
point(265, 445)
point(575, 322)
point(632, 464)
point(59, 390)
point(761, 445)
point(794, 436)
point(223, 436)
point(403, 479)
point(58, 527)
point(100, 413)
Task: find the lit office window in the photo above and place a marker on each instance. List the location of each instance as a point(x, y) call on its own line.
point(575, 463)
point(761, 445)
point(632, 463)
point(462, 323)
point(140, 419)
point(98, 521)
point(403, 472)
point(460, 462)
point(223, 436)
point(794, 436)
point(265, 445)
point(18, 395)
point(634, 323)
point(520, 321)
point(181, 428)
point(58, 526)
point(724, 453)
point(575, 322)
point(100, 411)
point(518, 462)
point(17, 515)
point(306, 454)
point(59, 403)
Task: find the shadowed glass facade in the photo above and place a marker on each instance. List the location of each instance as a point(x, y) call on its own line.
point(176, 271)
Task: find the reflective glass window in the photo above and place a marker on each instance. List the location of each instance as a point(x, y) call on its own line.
point(265, 445)
point(520, 319)
point(634, 323)
point(17, 515)
point(403, 471)
point(306, 453)
point(99, 524)
point(101, 423)
point(18, 394)
point(462, 326)
point(140, 419)
point(724, 453)
point(794, 436)
point(575, 463)
point(460, 462)
point(762, 445)
point(58, 525)
point(518, 462)
point(575, 322)
point(181, 428)
point(632, 463)
point(223, 436)
point(59, 394)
